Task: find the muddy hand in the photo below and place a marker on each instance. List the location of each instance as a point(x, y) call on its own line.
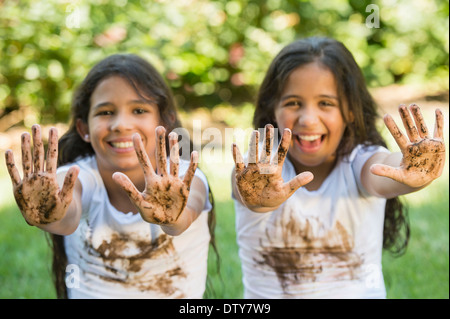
point(260, 183)
point(165, 194)
point(37, 194)
point(423, 156)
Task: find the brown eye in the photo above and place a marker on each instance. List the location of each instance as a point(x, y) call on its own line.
point(326, 103)
point(292, 103)
point(104, 113)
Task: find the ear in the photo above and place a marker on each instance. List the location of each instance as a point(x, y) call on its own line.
point(83, 130)
point(172, 117)
point(351, 117)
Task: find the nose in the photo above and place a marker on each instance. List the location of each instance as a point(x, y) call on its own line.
point(308, 116)
point(120, 122)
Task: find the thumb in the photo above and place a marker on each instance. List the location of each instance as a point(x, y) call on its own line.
point(123, 181)
point(69, 183)
point(386, 171)
point(297, 182)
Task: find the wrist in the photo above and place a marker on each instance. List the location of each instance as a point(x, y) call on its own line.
point(261, 209)
point(182, 223)
point(174, 229)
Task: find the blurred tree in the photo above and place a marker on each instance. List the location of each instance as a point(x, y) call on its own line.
point(211, 52)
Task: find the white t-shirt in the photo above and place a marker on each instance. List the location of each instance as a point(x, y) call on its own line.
point(118, 255)
point(318, 244)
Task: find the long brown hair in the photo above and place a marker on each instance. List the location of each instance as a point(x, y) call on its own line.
point(149, 85)
point(352, 87)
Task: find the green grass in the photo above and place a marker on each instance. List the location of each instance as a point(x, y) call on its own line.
point(227, 283)
point(25, 261)
point(423, 271)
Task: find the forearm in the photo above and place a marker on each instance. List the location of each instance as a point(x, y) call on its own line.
point(187, 217)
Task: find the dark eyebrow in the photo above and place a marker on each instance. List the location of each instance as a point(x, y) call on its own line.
point(99, 105)
point(290, 96)
point(142, 101)
point(329, 96)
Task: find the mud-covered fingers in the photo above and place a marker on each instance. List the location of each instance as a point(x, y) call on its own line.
point(12, 169)
point(174, 154)
point(398, 136)
point(268, 144)
point(161, 155)
point(410, 128)
point(142, 156)
point(66, 192)
point(26, 155)
point(38, 149)
point(253, 148)
point(420, 122)
point(439, 125)
point(127, 185)
point(52, 151)
point(237, 157)
point(191, 170)
point(297, 182)
point(284, 146)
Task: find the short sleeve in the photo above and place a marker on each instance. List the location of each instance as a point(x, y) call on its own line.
point(202, 176)
point(90, 179)
point(359, 157)
point(184, 165)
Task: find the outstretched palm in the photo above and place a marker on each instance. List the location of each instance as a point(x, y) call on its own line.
point(423, 156)
point(260, 183)
point(165, 194)
point(38, 195)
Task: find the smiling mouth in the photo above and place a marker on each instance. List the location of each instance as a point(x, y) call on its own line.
point(309, 143)
point(121, 145)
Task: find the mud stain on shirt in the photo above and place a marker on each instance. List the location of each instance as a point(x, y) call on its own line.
point(124, 257)
point(303, 256)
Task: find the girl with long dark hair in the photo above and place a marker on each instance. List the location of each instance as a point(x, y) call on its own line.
point(312, 221)
point(129, 221)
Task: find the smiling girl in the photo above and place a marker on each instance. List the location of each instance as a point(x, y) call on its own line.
point(312, 221)
point(130, 222)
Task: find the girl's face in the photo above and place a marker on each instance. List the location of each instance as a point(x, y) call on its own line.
point(309, 107)
point(116, 113)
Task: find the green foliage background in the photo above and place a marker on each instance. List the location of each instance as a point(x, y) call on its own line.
point(212, 52)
